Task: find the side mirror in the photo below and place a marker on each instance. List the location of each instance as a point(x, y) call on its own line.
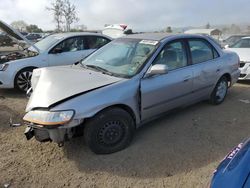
point(226, 46)
point(157, 69)
point(57, 51)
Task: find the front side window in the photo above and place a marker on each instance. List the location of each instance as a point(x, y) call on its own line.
point(201, 51)
point(243, 43)
point(47, 42)
point(122, 57)
point(71, 44)
point(173, 55)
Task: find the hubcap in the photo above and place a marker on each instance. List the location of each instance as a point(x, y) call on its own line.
point(23, 80)
point(221, 90)
point(111, 133)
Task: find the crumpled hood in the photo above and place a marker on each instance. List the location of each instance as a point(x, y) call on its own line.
point(243, 53)
point(54, 84)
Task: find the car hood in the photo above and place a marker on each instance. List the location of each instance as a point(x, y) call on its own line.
point(56, 84)
point(244, 53)
point(15, 34)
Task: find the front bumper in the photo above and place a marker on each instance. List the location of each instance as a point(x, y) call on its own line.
point(244, 71)
point(6, 80)
point(58, 134)
point(42, 134)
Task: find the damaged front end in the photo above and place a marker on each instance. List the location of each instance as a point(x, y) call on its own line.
point(56, 126)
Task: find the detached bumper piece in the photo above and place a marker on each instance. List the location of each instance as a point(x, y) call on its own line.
point(29, 133)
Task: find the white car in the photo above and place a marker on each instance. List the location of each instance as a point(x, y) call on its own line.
point(59, 49)
point(242, 48)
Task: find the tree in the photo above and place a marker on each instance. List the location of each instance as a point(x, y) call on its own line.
point(57, 10)
point(208, 26)
point(33, 29)
point(169, 30)
point(69, 13)
point(19, 25)
point(64, 12)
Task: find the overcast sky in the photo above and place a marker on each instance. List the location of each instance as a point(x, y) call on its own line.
point(141, 15)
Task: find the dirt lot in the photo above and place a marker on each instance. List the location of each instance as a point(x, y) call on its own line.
point(179, 150)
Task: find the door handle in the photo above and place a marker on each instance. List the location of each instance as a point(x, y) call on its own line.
point(218, 70)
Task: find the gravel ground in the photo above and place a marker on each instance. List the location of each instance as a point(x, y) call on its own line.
point(179, 150)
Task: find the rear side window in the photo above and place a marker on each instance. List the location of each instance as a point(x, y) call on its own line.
point(201, 51)
point(95, 42)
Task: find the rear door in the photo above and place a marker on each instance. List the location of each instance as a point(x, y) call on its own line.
point(164, 92)
point(206, 66)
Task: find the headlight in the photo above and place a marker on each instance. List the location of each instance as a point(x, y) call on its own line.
point(4, 66)
point(49, 118)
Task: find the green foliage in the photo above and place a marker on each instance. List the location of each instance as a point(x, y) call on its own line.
point(33, 29)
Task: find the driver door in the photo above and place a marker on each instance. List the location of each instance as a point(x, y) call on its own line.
point(160, 93)
point(68, 51)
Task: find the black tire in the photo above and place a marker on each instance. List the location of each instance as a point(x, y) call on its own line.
point(22, 80)
point(109, 131)
point(220, 91)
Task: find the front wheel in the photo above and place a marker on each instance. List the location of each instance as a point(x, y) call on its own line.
point(220, 91)
point(23, 79)
point(109, 131)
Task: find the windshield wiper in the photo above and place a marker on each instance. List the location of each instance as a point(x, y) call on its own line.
point(100, 69)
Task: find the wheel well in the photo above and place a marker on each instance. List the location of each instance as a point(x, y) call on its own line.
point(227, 75)
point(122, 106)
point(22, 70)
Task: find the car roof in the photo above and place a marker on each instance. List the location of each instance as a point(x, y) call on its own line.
point(73, 34)
point(161, 36)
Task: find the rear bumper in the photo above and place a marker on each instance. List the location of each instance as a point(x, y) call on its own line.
point(235, 76)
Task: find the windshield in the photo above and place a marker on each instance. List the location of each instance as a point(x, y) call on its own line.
point(47, 42)
point(122, 57)
point(243, 43)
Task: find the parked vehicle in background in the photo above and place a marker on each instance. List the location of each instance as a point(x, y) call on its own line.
point(242, 48)
point(126, 83)
point(34, 37)
point(58, 49)
point(115, 30)
point(234, 170)
point(24, 33)
point(231, 40)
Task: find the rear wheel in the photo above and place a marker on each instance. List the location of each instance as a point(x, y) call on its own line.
point(109, 131)
point(23, 79)
point(220, 91)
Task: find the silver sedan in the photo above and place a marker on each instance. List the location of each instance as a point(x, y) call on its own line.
point(124, 84)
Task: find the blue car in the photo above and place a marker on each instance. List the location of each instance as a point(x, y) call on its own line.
point(234, 170)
